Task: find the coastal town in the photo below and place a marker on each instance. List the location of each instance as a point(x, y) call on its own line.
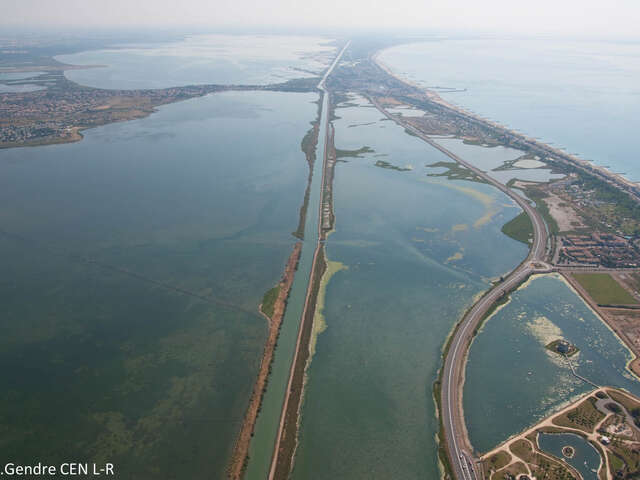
point(57, 112)
point(59, 109)
point(597, 250)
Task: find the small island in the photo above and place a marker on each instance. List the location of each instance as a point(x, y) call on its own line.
point(568, 451)
point(563, 347)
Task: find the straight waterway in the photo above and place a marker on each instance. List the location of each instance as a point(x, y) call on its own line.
point(266, 428)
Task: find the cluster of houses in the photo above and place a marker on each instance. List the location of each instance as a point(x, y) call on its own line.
point(598, 249)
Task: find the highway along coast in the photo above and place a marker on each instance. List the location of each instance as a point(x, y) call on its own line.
point(446, 127)
point(286, 439)
point(457, 443)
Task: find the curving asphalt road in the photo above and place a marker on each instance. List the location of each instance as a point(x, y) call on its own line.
point(457, 441)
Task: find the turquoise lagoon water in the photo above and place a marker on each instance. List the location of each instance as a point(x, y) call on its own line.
point(133, 265)
point(583, 96)
point(416, 253)
point(501, 401)
point(202, 59)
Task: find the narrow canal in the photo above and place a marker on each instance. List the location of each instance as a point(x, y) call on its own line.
point(266, 429)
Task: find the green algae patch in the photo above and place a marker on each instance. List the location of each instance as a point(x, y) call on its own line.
point(319, 322)
point(269, 301)
point(455, 171)
point(390, 166)
point(359, 153)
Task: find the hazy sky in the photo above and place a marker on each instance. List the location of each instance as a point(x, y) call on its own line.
point(582, 17)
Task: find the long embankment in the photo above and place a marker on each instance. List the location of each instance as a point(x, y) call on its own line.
point(240, 454)
point(455, 438)
point(241, 448)
point(286, 439)
point(309, 145)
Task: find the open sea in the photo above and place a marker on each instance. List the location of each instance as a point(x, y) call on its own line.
point(581, 96)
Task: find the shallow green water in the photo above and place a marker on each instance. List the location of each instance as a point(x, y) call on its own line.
point(499, 401)
point(491, 158)
point(107, 350)
point(368, 410)
point(586, 458)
